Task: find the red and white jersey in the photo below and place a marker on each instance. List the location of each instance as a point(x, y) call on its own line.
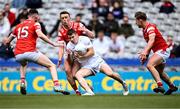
point(26, 36)
point(159, 42)
point(63, 31)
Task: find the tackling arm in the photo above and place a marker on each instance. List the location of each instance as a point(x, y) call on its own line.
point(44, 37)
point(89, 33)
point(61, 52)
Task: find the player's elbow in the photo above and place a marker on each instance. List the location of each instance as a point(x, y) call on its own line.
point(91, 53)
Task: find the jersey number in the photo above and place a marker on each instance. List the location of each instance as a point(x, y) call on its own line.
point(23, 32)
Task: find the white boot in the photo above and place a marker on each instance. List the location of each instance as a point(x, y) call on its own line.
point(126, 91)
point(88, 94)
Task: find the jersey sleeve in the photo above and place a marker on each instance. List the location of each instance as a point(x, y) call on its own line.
point(151, 30)
point(37, 26)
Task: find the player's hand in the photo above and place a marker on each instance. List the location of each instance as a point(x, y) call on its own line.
point(143, 57)
point(48, 35)
point(82, 28)
point(59, 63)
point(78, 56)
point(68, 51)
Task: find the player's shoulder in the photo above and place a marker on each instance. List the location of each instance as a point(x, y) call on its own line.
point(61, 29)
point(77, 24)
point(18, 26)
point(36, 24)
point(151, 26)
point(83, 38)
point(69, 45)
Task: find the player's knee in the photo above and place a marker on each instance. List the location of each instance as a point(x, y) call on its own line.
point(149, 65)
point(78, 75)
point(51, 65)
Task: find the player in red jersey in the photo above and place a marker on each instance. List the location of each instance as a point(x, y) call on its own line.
point(25, 51)
point(70, 68)
point(158, 45)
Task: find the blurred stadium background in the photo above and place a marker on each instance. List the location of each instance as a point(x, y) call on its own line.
point(127, 64)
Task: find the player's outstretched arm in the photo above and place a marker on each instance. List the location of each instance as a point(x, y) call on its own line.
point(45, 38)
point(86, 31)
point(60, 55)
point(89, 33)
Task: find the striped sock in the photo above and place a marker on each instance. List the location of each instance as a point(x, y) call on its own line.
point(56, 83)
point(22, 79)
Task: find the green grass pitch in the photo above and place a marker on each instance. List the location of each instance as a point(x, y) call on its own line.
point(155, 101)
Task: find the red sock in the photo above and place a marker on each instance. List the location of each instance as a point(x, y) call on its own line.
point(159, 83)
point(23, 80)
point(56, 83)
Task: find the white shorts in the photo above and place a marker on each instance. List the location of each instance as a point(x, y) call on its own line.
point(93, 64)
point(164, 54)
point(28, 56)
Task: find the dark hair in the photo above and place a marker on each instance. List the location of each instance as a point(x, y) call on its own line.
point(79, 14)
point(22, 16)
point(32, 11)
point(71, 31)
point(64, 12)
point(140, 15)
point(7, 4)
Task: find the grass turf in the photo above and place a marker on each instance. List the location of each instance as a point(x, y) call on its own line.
point(155, 101)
